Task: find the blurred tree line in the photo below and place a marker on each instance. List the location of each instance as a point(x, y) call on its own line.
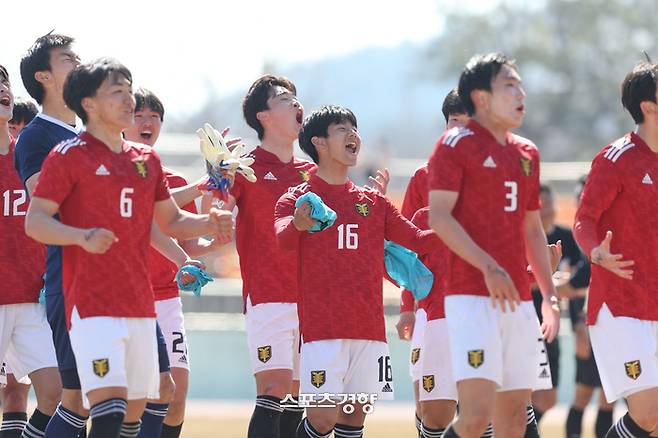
point(572, 55)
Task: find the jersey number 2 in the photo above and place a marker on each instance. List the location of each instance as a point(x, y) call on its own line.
point(125, 202)
point(10, 210)
point(512, 195)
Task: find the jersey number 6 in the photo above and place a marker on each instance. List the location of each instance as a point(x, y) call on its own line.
point(125, 203)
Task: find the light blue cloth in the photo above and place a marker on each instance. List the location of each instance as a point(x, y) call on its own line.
point(407, 270)
point(201, 279)
point(323, 215)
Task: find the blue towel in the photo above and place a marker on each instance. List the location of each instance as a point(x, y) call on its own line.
point(323, 215)
point(407, 270)
point(201, 279)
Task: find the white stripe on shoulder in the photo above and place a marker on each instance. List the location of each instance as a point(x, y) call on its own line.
point(453, 136)
point(616, 149)
point(64, 146)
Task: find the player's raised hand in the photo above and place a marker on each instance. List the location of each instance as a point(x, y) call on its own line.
point(501, 288)
point(302, 217)
point(555, 253)
point(98, 240)
point(223, 221)
point(186, 277)
point(550, 312)
point(405, 325)
point(614, 263)
point(231, 143)
point(380, 181)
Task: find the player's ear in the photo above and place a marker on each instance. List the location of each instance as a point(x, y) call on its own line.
point(480, 99)
point(261, 116)
point(648, 108)
point(88, 104)
point(42, 76)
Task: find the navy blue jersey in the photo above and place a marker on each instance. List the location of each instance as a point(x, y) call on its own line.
point(32, 147)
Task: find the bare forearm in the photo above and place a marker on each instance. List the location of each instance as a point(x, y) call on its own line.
point(186, 194)
point(197, 247)
point(185, 226)
point(539, 260)
point(457, 239)
point(46, 229)
point(168, 246)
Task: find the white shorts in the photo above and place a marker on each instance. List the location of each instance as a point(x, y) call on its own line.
point(112, 351)
point(26, 341)
point(5, 370)
point(486, 343)
point(437, 381)
point(170, 318)
point(346, 366)
point(625, 351)
point(273, 337)
point(417, 344)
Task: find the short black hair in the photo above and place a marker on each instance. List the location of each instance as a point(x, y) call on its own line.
point(452, 105)
point(24, 111)
point(256, 99)
point(639, 86)
point(317, 123)
point(85, 80)
point(146, 98)
point(37, 59)
point(478, 74)
point(545, 189)
point(4, 75)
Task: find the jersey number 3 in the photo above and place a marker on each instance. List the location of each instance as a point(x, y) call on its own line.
point(512, 195)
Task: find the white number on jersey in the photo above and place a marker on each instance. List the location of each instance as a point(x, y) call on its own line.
point(347, 236)
point(125, 203)
point(512, 195)
point(11, 208)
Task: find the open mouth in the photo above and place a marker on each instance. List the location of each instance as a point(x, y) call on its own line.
point(299, 116)
point(5, 101)
point(520, 108)
point(351, 148)
point(146, 135)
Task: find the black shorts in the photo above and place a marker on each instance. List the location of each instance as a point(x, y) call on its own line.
point(587, 373)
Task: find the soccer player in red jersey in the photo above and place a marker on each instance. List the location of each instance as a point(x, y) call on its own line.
point(411, 325)
point(149, 115)
point(615, 227)
point(269, 275)
point(107, 192)
point(344, 348)
point(24, 112)
point(484, 200)
point(25, 338)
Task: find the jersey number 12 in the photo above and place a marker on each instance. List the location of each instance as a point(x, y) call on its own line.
point(11, 208)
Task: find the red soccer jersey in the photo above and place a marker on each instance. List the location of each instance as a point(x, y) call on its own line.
point(434, 261)
point(163, 270)
point(96, 187)
point(269, 275)
point(340, 269)
point(415, 198)
point(621, 195)
point(22, 260)
point(497, 185)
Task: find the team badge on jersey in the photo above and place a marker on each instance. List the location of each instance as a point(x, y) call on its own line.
point(415, 355)
point(265, 353)
point(475, 358)
point(428, 383)
point(318, 378)
point(140, 166)
point(526, 166)
point(362, 208)
point(304, 175)
point(633, 369)
point(101, 367)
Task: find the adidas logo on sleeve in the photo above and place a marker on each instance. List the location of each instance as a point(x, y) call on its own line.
point(647, 179)
point(270, 176)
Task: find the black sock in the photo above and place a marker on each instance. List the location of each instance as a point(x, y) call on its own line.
point(626, 428)
point(345, 431)
point(13, 424)
point(489, 432)
point(107, 417)
point(450, 433)
point(431, 433)
point(36, 427)
point(603, 422)
point(532, 419)
point(575, 423)
point(290, 418)
point(419, 426)
point(171, 431)
point(130, 430)
point(266, 419)
point(83, 431)
point(306, 430)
